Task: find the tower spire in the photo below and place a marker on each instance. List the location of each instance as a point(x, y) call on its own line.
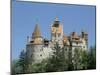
point(36, 32)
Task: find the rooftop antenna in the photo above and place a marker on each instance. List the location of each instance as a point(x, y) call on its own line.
point(27, 39)
point(56, 19)
point(83, 30)
point(37, 21)
point(62, 23)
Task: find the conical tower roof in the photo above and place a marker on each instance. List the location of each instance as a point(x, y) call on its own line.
point(36, 32)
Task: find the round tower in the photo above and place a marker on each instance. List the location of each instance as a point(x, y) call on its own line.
point(34, 47)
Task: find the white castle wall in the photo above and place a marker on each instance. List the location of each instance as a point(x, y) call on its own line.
point(36, 53)
point(39, 52)
point(47, 52)
point(82, 44)
point(29, 51)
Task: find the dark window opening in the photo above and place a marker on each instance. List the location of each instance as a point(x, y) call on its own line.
point(46, 43)
point(31, 41)
point(76, 42)
point(59, 35)
point(56, 24)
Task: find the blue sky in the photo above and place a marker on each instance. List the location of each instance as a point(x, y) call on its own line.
point(25, 15)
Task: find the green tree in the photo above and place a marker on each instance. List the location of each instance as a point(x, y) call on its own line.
point(84, 58)
point(57, 62)
point(92, 58)
point(70, 63)
point(39, 67)
point(68, 57)
point(14, 68)
point(77, 58)
point(22, 62)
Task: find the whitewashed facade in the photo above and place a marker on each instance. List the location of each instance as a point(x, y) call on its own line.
point(38, 48)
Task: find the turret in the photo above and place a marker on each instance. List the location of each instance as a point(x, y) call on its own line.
point(34, 47)
point(74, 36)
point(85, 37)
point(36, 36)
point(36, 33)
point(56, 32)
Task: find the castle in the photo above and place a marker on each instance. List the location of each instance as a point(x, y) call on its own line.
point(38, 48)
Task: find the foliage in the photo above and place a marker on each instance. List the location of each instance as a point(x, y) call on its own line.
point(39, 67)
point(77, 59)
point(57, 62)
point(22, 62)
point(63, 59)
point(84, 62)
point(13, 69)
point(92, 58)
point(70, 63)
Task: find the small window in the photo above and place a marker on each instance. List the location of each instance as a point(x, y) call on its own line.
point(40, 54)
point(59, 35)
point(31, 41)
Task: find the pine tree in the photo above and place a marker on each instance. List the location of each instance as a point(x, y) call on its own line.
point(84, 61)
point(66, 57)
point(70, 63)
point(13, 68)
point(57, 62)
point(22, 62)
point(92, 58)
point(77, 58)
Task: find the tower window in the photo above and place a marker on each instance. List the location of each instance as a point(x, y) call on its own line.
point(31, 41)
point(40, 54)
point(59, 35)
